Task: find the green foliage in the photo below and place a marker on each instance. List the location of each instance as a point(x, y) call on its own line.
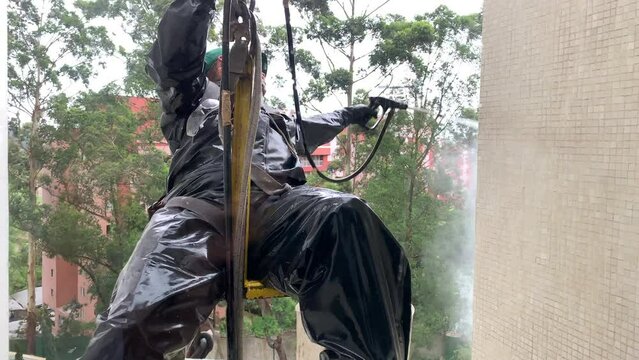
point(337, 32)
point(264, 326)
point(107, 170)
point(275, 102)
point(71, 327)
point(284, 311)
point(316, 90)
point(315, 6)
point(140, 19)
point(412, 191)
point(308, 62)
point(470, 113)
point(313, 179)
point(280, 319)
point(48, 44)
point(402, 41)
point(342, 34)
point(433, 233)
point(462, 353)
point(46, 324)
point(339, 79)
point(18, 250)
point(434, 47)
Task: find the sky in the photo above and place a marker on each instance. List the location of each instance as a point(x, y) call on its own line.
point(271, 13)
point(272, 9)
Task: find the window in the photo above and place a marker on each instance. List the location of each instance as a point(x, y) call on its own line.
point(51, 292)
point(317, 159)
point(51, 272)
point(82, 291)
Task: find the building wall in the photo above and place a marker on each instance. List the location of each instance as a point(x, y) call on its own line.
point(557, 247)
point(321, 157)
point(87, 313)
point(59, 283)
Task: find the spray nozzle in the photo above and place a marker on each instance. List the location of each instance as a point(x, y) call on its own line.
point(386, 104)
point(388, 109)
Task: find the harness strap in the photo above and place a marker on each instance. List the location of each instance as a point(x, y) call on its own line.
point(266, 182)
point(260, 177)
point(213, 215)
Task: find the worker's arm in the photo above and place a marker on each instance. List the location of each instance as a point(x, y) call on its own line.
point(176, 60)
point(321, 129)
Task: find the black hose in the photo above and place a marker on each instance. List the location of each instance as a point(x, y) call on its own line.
point(298, 114)
point(235, 308)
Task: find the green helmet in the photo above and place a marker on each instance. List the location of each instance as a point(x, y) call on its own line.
point(211, 58)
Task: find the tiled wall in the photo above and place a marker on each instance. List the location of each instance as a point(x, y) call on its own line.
point(557, 249)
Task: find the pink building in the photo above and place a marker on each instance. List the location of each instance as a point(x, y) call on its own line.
point(321, 158)
point(64, 283)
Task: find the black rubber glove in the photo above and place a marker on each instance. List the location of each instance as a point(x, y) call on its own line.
point(361, 114)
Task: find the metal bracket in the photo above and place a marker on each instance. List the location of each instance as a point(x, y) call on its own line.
point(240, 34)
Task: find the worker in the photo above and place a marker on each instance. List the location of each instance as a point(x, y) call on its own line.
point(326, 249)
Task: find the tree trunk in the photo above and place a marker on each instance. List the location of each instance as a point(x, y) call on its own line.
point(277, 344)
point(31, 304)
point(34, 170)
point(279, 348)
point(409, 217)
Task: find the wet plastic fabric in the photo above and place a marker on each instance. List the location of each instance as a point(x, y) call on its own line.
point(324, 248)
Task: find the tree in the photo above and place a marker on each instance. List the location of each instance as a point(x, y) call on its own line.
point(433, 232)
point(269, 319)
point(106, 170)
point(49, 46)
point(341, 29)
point(442, 43)
point(139, 19)
point(340, 32)
point(46, 328)
point(18, 255)
point(276, 316)
point(411, 184)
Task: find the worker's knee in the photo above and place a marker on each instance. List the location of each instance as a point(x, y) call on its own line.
point(353, 207)
point(337, 201)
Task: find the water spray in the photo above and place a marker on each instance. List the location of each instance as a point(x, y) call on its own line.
point(462, 121)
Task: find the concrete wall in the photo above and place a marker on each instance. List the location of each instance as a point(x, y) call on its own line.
point(255, 348)
point(305, 349)
point(557, 249)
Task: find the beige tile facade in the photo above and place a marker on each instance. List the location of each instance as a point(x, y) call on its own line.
point(557, 249)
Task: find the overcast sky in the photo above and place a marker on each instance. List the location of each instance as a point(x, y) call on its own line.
point(273, 13)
